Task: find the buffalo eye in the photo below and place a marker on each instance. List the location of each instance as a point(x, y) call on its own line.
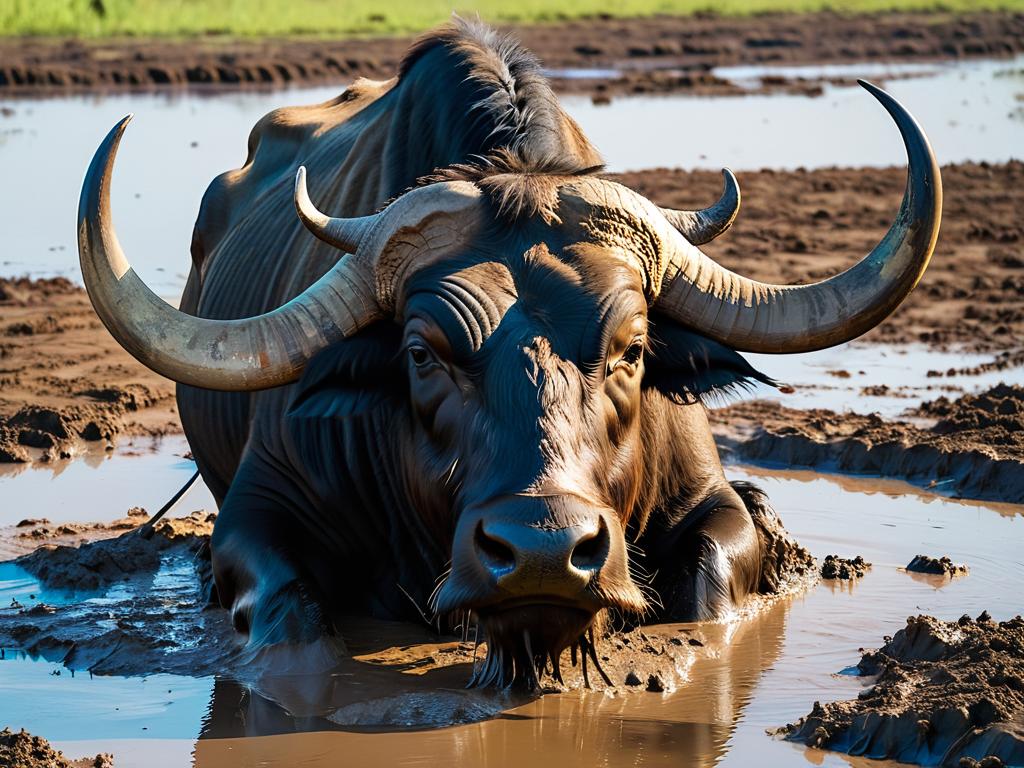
point(422, 357)
point(631, 357)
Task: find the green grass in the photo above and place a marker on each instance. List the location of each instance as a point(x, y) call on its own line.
point(267, 18)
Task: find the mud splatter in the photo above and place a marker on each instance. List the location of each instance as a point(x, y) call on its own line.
point(945, 692)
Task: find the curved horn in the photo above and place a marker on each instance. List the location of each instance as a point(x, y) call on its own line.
point(417, 229)
point(705, 225)
point(345, 234)
point(760, 317)
point(254, 353)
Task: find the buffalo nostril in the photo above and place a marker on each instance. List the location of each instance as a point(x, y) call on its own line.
point(495, 554)
point(590, 553)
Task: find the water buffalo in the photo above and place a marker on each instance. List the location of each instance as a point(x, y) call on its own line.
point(478, 390)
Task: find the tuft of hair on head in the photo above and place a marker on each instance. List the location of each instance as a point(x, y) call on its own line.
point(518, 188)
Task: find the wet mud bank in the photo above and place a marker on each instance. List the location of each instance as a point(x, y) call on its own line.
point(945, 693)
point(974, 449)
point(625, 56)
point(63, 378)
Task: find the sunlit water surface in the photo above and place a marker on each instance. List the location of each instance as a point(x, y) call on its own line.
point(179, 142)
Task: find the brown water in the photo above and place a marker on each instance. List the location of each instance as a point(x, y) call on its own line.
point(752, 675)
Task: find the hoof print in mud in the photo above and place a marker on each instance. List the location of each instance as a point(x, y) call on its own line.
point(946, 692)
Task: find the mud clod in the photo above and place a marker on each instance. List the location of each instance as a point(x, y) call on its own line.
point(946, 693)
point(836, 567)
point(941, 566)
point(23, 750)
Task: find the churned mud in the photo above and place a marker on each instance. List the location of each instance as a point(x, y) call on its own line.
point(937, 566)
point(652, 55)
point(63, 378)
point(974, 449)
point(102, 562)
point(23, 750)
point(844, 569)
point(946, 693)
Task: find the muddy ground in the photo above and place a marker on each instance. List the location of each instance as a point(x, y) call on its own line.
point(975, 449)
point(945, 693)
point(653, 55)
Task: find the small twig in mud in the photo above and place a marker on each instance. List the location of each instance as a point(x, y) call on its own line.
point(146, 529)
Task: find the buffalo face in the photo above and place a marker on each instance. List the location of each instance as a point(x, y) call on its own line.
point(524, 384)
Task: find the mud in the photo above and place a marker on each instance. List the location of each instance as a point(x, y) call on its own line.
point(63, 378)
point(937, 566)
point(652, 55)
point(99, 563)
point(946, 693)
point(23, 750)
point(835, 567)
point(974, 450)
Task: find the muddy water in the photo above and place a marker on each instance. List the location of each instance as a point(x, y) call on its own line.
point(179, 142)
point(100, 486)
point(762, 672)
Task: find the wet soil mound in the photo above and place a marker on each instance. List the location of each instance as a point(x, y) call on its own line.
point(158, 619)
point(941, 566)
point(654, 55)
point(974, 450)
point(23, 750)
point(947, 693)
point(63, 378)
point(98, 564)
point(836, 567)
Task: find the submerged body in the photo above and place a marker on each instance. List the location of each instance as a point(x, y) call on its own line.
point(508, 387)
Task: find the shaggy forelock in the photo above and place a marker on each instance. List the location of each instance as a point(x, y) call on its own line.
point(535, 146)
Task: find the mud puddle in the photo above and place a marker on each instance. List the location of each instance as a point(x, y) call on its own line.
point(99, 486)
point(181, 141)
point(750, 675)
point(877, 378)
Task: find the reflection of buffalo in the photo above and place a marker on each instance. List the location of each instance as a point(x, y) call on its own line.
point(505, 373)
point(690, 727)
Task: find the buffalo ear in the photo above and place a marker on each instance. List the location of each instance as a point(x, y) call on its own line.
point(352, 376)
point(687, 367)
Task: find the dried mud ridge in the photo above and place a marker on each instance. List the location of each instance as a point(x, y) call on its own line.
point(650, 55)
point(975, 448)
point(937, 566)
point(947, 693)
point(835, 567)
point(23, 750)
